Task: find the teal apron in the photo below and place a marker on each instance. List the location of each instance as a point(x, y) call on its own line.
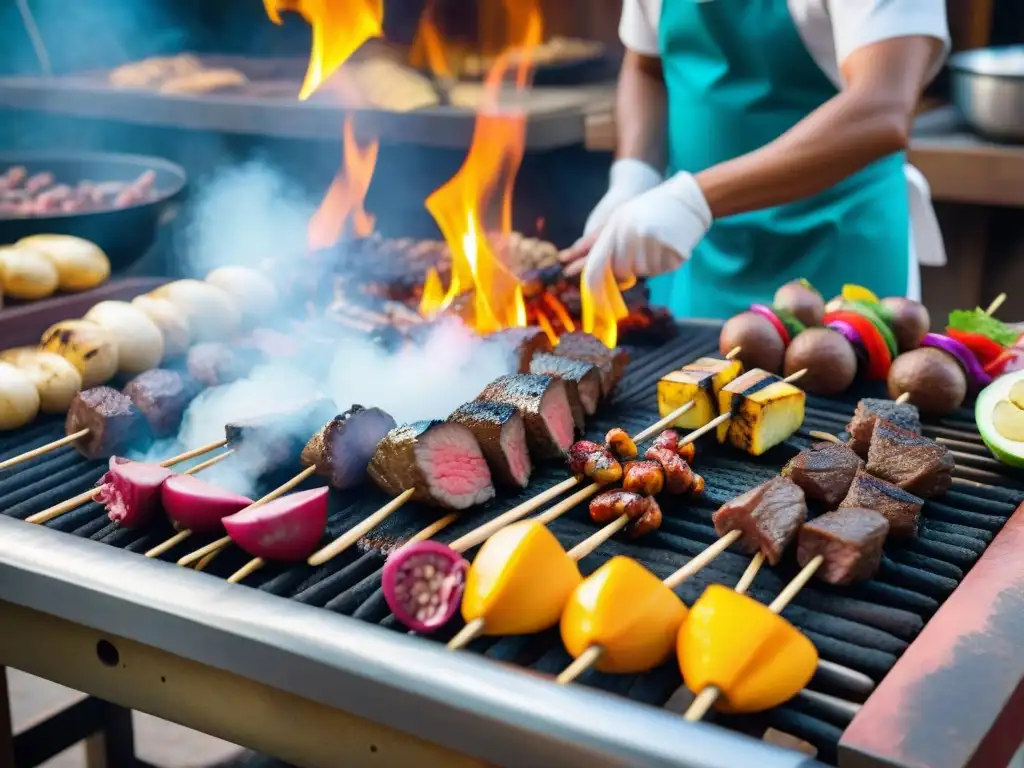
point(738, 76)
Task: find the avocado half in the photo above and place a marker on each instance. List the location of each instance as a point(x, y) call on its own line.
point(994, 404)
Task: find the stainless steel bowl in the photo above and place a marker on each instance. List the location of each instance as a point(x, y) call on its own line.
point(988, 90)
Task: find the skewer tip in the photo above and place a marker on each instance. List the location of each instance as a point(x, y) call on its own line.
point(467, 634)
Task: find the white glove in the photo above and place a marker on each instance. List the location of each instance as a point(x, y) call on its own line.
point(652, 234)
point(628, 179)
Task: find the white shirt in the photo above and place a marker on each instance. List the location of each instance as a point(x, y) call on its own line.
point(831, 30)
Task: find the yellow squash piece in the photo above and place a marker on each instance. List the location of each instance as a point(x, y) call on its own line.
point(520, 580)
point(765, 411)
point(628, 612)
point(858, 293)
point(755, 657)
point(700, 381)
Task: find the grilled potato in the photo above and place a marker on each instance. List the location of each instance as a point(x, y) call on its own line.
point(209, 311)
point(253, 293)
point(87, 346)
point(56, 380)
point(699, 381)
point(170, 321)
point(80, 264)
point(27, 273)
point(765, 411)
point(140, 345)
point(19, 399)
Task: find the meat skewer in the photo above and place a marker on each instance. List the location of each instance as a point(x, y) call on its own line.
point(84, 498)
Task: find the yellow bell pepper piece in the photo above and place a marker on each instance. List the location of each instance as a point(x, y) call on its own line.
point(699, 382)
point(520, 580)
point(858, 293)
point(755, 657)
point(627, 611)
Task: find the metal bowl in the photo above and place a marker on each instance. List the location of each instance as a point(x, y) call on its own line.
point(988, 90)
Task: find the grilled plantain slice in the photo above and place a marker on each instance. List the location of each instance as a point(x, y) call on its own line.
point(765, 411)
point(699, 381)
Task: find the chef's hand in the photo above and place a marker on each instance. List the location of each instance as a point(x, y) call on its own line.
point(650, 235)
point(628, 179)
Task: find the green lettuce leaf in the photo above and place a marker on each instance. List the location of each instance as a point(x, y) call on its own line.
point(976, 321)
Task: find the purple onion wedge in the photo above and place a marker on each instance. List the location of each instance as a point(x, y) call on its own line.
point(130, 491)
point(976, 376)
point(287, 529)
point(847, 330)
point(423, 584)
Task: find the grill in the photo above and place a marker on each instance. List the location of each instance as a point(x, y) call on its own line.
point(866, 627)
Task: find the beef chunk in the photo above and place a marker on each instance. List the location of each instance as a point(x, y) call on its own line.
point(587, 348)
point(850, 540)
point(900, 508)
point(521, 344)
point(162, 397)
point(501, 432)
point(586, 377)
point(862, 424)
point(543, 404)
point(914, 463)
point(824, 471)
point(115, 425)
point(768, 517)
point(341, 449)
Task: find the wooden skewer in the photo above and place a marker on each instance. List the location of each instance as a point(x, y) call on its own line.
point(997, 302)
point(86, 496)
point(23, 457)
point(224, 541)
point(485, 531)
point(707, 698)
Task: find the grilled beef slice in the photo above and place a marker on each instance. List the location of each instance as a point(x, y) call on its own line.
point(521, 345)
point(213, 364)
point(586, 376)
point(274, 438)
point(115, 425)
point(162, 397)
point(824, 471)
point(914, 463)
point(441, 461)
point(501, 433)
point(768, 516)
point(341, 448)
point(583, 346)
point(862, 424)
point(900, 508)
point(849, 539)
point(544, 406)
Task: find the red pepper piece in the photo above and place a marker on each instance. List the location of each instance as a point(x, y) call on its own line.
point(983, 347)
point(879, 357)
point(769, 314)
point(1010, 360)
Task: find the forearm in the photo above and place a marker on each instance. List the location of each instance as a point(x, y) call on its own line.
point(641, 112)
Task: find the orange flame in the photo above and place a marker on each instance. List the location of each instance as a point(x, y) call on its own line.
point(340, 27)
point(346, 195)
point(493, 160)
point(429, 50)
point(603, 309)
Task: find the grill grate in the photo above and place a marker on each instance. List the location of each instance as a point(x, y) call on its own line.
point(865, 627)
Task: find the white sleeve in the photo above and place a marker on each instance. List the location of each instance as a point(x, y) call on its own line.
point(856, 23)
point(637, 30)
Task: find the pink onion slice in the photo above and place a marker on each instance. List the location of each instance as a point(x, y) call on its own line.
point(976, 376)
point(847, 330)
point(130, 491)
point(423, 584)
point(197, 505)
point(286, 529)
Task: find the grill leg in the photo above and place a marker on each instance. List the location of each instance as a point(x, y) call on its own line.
point(6, 728)
point(114, 744)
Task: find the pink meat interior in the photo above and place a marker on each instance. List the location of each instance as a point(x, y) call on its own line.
point(555, 410)
point(513, 446)
point(456, 470)
point(590, 391)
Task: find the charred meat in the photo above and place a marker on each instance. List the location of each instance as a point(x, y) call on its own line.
point(501, 433)
point(901, 508)
point(341, 449)
point(868, 410)
point(679, 478)
point(274, 438)
point(914, 463)
point(671, 439)
point(585, 376)
point(162, 397)
point(643, 511)
point(589, 349)
point(593, 461)
point(521, 344)
point(850, 540)
point(114, 423)
point(824, 471)
point(441, 461)
point(544, 406)
point(622, 444)
point(213, 364)
point(644, 477)
point(768, 517)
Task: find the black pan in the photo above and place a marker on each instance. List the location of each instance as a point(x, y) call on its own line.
point(124, 234)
